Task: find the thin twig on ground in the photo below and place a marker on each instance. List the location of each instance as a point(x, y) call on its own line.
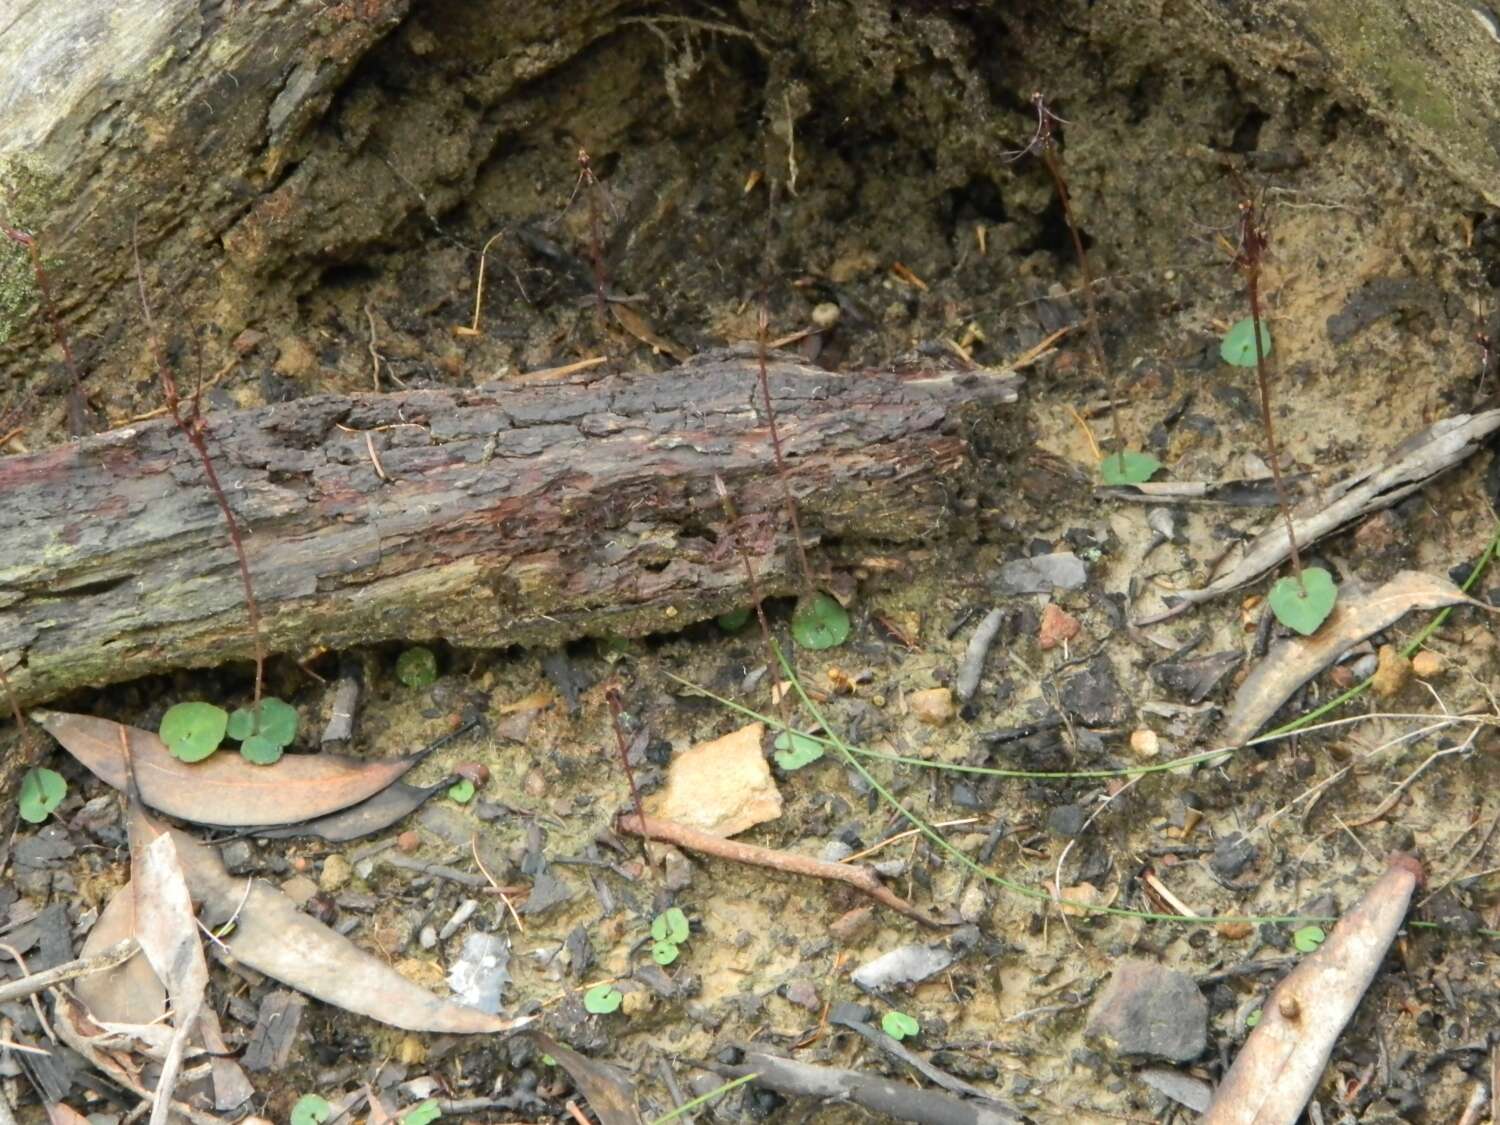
point(971, 669)
point(860, 878)
point(116, 954)
point(1279, 1066)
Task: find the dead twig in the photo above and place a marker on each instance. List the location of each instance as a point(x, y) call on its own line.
point(1279, 1066)
point(116, 954)
point(860, 878)
point(972, 667)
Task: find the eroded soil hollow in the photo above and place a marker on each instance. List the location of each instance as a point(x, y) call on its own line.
point(909, 229)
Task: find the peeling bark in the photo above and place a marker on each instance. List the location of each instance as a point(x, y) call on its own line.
point(484, 517)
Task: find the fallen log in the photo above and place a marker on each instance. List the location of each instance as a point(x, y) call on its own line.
point(487, 517)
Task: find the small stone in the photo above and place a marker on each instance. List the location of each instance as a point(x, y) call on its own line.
point(1149, 1011)
point(854, 926)
point(1058, 627)
point(237, 856)
point(1428, 664)
point(1145, 743)
point(299, 888)
point(1066, 821)
point(723, 786)
point(336, 873)
point(1041, 574)
point(408, 842)
point(835, 851)
point(825, 315)
point(677, 872)
point(428, 937)
point(802, 993)
point(1392, 671)
point(972, 906)
point(1232, 854)
point(933, 706)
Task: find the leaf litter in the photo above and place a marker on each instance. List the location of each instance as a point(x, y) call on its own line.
point(225, 790)
point(1293, 662)
point(1400, 473)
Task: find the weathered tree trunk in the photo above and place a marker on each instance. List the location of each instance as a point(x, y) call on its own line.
point(484, 517)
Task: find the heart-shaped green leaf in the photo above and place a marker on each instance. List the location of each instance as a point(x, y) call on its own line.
point(461, 791)
point(42, 790)
point(260, 750)
point(1308, 938)
point(278, 722)
point(311, 1109)
point(663, 952)
point(819, 622)
point(1129, 466)
point(602, 999)
point(417, 667)
point(1303, 606)
point(670, 925)
point(899, 1025)
point(193, 731)
point(1238, 345)
point(734, 620)
point(794, 750)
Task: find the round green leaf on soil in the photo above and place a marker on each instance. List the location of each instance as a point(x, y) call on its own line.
point(260, 750)
point(602, 999)
point(899, 1025)
point(794, 750)
point(1129, 466)
point(461, 791)
point(1308, 938)
point(278, 722)
point(1238, 346)
point(1303, 606)
point(311, 1109)
point(670, 925)
point(1254, 1017)
point(423, 1113)
point(42, 790)
point(819, 622)
point(734, 620)
point(193, 731)
point(663, 952)
point(417, 667)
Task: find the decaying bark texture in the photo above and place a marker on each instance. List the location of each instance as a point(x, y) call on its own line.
point(483, 517)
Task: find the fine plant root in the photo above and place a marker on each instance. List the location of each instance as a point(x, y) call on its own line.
point(860, 878)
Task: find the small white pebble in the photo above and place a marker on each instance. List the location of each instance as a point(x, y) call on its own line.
point(1145, 743)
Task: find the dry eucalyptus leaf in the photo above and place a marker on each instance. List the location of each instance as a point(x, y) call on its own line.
point(273, 937)
point(225, 789)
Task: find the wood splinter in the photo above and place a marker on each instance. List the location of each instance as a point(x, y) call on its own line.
point(860, 878)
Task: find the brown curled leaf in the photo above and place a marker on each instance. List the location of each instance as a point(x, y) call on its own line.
point(225, 789)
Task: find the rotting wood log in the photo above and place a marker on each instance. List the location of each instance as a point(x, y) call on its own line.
point(485, 517)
